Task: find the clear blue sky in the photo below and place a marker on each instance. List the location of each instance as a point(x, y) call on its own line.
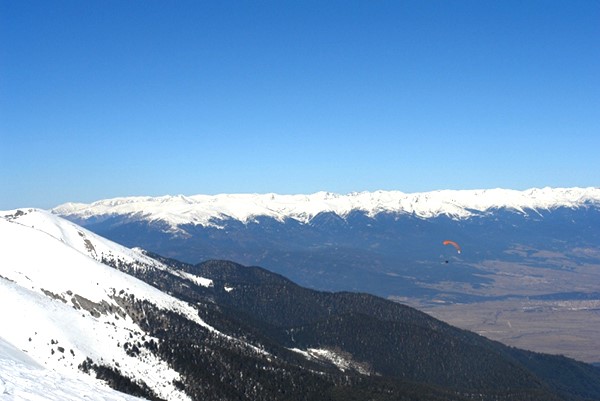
point(100, 99)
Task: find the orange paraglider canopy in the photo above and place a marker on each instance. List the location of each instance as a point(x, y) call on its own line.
point(454, 244)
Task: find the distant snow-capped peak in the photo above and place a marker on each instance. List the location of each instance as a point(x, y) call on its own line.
point(207, 210)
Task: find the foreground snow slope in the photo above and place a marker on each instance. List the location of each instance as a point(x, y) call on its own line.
point(21, 378)
point(61, 305)
point(207, 209)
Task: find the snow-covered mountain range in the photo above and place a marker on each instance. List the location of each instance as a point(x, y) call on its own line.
point(208, 210)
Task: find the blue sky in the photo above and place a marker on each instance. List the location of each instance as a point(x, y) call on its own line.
point(101, 99)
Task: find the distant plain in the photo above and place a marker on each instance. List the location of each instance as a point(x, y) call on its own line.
point(539, 305)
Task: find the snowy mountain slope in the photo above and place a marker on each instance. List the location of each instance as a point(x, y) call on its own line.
point(21, 378)
point(207, 210)
point(68, 308)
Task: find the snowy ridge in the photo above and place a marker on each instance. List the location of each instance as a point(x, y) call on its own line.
point(207, 210)
point(68, 302)
point(78, 238)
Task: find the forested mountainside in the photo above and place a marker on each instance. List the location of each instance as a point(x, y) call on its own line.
point(374, 337)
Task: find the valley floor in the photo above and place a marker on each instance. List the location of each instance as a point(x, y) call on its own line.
point(545, 303)
point(567, 328)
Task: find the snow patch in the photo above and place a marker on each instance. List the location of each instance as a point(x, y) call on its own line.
point(342, 359)
point(201, 281)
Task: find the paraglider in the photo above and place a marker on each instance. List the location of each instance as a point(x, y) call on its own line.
point(454, 244)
